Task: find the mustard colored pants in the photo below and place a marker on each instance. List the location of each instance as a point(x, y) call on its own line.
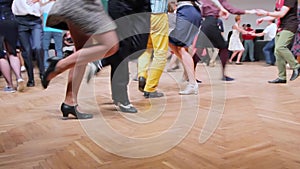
point(158, 46)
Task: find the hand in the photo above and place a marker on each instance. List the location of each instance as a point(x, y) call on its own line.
point(261, 12)
point(252, 33)
point(259, 21)
point(224, 13)
point(252, 11)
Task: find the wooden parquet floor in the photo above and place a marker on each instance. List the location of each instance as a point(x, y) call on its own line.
point(245, 124)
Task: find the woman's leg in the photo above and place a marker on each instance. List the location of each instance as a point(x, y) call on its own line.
point(5, 69)
point(233, 56)
point(239, 56)
point(78, 60)
point(106, 45)
point(188, 65)
point(15, 65)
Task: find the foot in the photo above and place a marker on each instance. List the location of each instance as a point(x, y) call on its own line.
point(190, 89)
point(226, 78)
point(153, 94)
point(92, 71)
point(9, 89)
point(52, 66)
point(277, 81)
point(23, 69)
point(269, 64)
point(30, 83)
point(198, 81)
point(238, 63)
point(126, 107)
point(73, 110)
point(142, 83)
point(296, 73)
point(21, 85)
point(230, 61)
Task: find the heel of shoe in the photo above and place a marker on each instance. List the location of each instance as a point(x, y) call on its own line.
point(67, 109)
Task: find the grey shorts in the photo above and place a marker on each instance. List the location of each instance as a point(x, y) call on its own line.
point(88, 15)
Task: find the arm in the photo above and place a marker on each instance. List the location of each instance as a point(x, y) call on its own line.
point(235, 26)
point(223, 12)
point(272, 15)
point(236, 11)
point(41, 3)
point(267, 18)
point(258, 34)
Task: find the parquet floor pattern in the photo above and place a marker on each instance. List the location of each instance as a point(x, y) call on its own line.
point(259, 125)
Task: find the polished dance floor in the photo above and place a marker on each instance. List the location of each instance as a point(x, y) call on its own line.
point(247, 123)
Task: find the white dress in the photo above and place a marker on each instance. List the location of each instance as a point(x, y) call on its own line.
point(235, 41)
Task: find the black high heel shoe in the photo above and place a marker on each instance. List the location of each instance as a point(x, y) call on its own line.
point(52, 65)
point(67, 109)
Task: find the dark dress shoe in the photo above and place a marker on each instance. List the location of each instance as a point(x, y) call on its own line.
point(126, 107)
point(52, 65)
point(295, 74)
point(67, 109)
point(226, 78)
point(277, 81)
point(153, 94)
point(30, 83)
point(142, 83)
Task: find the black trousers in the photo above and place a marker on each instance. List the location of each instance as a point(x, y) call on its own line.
point(210, 36)
point(133, 27)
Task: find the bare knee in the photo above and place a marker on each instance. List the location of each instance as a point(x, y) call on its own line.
point(112, 50)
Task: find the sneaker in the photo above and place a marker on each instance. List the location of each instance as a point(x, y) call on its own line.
point(21, 85)
point(226, 78)
point(23, 69)
point(190, 89)
point(92, 71)
point(9, 89)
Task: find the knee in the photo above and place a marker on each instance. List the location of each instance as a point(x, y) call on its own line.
point(112, 50)
point(279, 50)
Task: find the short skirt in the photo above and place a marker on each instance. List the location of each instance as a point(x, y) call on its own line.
point(9, 35)
point(188, 21)
point(88, 15)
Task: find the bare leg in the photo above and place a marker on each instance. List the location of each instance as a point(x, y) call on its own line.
point(173, 64)
point(188, 65)
point(239, 56)
point(107, 44)
point(5, 69)
point(233, 56)
point(74, 81)
point(15, 65)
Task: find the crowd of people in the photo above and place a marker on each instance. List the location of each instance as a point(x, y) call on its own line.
point(100, 37)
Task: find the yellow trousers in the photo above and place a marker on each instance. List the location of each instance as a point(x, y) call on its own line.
point(158, 46)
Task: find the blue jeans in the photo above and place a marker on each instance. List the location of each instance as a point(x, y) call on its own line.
point(249, 48)
point(58, 38)
point(30, 33)
point(269, 52)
